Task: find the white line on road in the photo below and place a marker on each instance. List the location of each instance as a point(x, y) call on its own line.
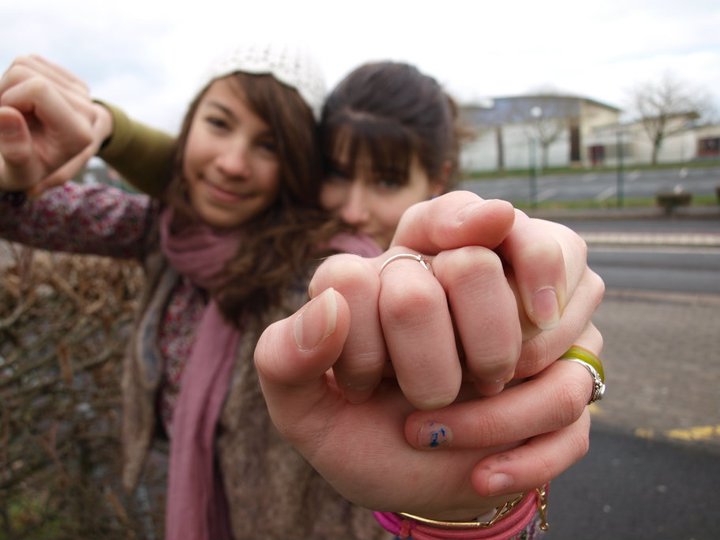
point(605, 194)
point(547, 194)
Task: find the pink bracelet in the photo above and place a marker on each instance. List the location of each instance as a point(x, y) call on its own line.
point(507, 527)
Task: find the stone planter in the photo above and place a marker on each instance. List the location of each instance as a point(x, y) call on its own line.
point(670, 200)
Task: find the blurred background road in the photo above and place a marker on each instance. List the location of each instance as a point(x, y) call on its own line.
point(653, 470)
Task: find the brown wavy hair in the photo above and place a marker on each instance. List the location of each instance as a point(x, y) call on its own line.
point(279, 245)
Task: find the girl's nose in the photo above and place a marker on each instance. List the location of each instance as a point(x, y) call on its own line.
point(234, 160)
point(354, 210)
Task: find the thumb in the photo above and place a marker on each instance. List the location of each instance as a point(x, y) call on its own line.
point(16, 168)
point(293, 356)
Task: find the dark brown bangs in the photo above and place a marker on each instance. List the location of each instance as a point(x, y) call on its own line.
point(386, 144)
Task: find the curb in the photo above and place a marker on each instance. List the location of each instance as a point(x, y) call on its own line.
point(700, 240)
point(610, 214)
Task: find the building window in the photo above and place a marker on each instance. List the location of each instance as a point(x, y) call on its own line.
point(709, 147)
point(575, 144)
point(597, 154)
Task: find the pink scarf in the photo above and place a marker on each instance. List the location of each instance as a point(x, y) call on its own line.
point(197, 508)
point(196, 504)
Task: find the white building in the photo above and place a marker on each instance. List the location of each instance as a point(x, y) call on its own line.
point(563, 131)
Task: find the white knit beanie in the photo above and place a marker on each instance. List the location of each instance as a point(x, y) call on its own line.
point(290, 65)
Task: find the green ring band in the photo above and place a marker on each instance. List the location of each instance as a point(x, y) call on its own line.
point(583, 354)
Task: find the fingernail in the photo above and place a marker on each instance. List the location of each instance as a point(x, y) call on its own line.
point(434, 435)
point(499, 482)
point(546, 310)
point(317, 321)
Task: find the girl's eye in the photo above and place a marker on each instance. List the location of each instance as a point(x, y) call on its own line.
point(217, 122)
point(389, 182)
point(268, 146)
point(338, 174)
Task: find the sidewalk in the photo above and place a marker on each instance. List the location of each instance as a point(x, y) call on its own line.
point(707, 218)
point(652, 239)
point(650, 212)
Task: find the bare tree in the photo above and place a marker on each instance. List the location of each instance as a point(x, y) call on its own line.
point(667, 107)
point(545, 117)
point(547, 129)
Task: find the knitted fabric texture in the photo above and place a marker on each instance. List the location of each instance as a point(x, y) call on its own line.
point(292, 66)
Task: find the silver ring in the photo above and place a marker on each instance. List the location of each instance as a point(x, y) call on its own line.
point(419, 258)
point(598, 384)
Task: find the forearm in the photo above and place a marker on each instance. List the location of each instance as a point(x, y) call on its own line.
point(141, 154)
point(93, 220)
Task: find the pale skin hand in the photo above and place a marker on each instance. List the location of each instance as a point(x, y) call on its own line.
point(294, 358)
point(49, 126)
point(556, 260)
point(549, 410)
point(547, 413)
point(366, 356)
point(416, 329)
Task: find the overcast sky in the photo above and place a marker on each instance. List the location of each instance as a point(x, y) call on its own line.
point(148, 56)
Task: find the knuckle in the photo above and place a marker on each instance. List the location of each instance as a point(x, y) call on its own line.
point(534, 354)
point(572, 398)
point(409, 302)
point(467, 264)
point(343, 272)
point(579, 437)
point(494, 364)
point(598, 286)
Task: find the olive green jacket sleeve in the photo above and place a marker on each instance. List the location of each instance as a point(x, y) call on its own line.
point(141, 154)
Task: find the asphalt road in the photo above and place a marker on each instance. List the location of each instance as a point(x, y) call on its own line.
point(629, 488)
point(601, 186)
point(653, 470)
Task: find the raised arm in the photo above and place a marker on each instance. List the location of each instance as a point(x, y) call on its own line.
point(42, 135)
point(79, 127)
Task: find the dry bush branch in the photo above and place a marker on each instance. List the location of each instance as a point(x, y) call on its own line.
point(64, 324)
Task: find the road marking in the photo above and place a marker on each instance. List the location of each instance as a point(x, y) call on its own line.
point(605, 194)
point(546, 194)
point(695, 433)
point(595, 410)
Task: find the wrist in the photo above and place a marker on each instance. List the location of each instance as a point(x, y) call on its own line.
point(103, 126)
point(527, 512)
point(471, 514)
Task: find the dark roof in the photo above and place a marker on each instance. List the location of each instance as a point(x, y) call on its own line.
point(514, 109)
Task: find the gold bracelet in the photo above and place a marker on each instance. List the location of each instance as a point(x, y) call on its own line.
point(542, 504)
point(500, 513)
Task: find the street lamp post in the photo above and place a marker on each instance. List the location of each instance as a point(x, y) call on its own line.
point(620, 171)
point(536, 113)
